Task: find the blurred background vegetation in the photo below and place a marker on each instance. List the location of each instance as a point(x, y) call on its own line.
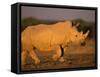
point(84, 25)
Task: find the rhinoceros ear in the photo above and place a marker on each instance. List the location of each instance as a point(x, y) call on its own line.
point(77, 24)
point(86, 34)
point(75, 27)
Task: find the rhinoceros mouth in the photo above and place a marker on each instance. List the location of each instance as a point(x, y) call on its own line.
point(83, 43)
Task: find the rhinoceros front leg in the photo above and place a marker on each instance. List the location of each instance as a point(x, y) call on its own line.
point(34, 56)
point(58, 54)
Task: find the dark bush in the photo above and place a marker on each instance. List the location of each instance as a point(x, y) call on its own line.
point(33, 21)
point(84, 26)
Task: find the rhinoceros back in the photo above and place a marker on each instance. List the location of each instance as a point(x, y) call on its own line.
point(44, 37)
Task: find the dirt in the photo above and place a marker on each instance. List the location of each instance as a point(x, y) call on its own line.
point(75, 56)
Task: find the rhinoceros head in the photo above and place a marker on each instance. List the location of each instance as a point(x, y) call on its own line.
point(77, 37)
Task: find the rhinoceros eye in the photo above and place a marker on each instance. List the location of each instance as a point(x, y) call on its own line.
point(75, 35)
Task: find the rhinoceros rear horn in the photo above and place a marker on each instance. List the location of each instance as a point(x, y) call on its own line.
point(86, 34)
point(81, 32)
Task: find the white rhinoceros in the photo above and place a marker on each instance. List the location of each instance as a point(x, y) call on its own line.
point(49, 38)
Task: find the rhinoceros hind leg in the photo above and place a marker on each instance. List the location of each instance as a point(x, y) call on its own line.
point(34, 56)
point(57, 54)
point(23, 57)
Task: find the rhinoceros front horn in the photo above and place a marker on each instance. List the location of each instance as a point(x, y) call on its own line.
point(86, 34)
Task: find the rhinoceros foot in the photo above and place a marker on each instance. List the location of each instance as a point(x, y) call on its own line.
point(61, 59)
